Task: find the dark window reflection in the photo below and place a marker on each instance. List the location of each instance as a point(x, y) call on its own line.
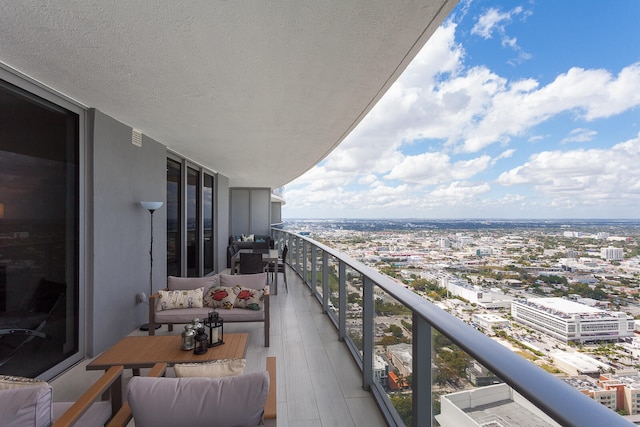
point(193, 222)
point(207, 210)
point(38, 233)
point(174, 195)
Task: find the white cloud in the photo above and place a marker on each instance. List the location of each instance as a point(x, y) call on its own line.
point(514, 109)
point(435, 168)
point(506, 154)
point(607, 178)
point(406, 157)
point(492, 20)
point(579, 135)
point(459, 193)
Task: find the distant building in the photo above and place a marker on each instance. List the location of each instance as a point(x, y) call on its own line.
point(401, 357)
point(570, 321)
point(627, 388)
point(489, 321)
point(612, 254)
point(576, 364)
point(592, 388)
point(480, 376)
point(490, 406)
point(380, 369)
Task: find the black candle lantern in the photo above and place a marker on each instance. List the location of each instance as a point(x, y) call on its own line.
point(201, 346)
point(215, 324)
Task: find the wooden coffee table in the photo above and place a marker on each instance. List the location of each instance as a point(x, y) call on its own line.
point(145, 351)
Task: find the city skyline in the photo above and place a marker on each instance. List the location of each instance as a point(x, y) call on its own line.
point(511, 110)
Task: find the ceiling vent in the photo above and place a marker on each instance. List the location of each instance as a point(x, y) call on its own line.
point(136, 138)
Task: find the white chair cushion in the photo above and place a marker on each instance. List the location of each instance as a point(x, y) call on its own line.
point(26, 407)
point(198, 402)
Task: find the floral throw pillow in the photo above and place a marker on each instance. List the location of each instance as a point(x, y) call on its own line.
point(248, 298)
point(170, 300)
point(220, 297)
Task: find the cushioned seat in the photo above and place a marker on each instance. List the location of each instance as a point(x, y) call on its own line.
point(25, 402)
point(196, 401)
point(251, 305)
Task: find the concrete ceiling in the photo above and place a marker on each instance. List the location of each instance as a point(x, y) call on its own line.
point(257, 90)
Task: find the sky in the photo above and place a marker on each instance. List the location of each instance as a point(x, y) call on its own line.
point(513, 109)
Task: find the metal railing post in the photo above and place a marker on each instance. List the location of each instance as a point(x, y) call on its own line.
point(367, 332)
point(313, 270)
point(325, 281)
point(342, 300)
point(422, 402)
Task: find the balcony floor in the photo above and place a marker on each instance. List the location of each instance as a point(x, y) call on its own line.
point(319, 384)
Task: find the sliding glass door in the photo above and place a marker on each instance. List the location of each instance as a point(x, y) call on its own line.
point(39, 232)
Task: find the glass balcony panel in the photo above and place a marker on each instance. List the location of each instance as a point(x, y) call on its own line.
point(334, 288)
point(318, 275)
point(354, 331)
point(392, 351)
point(293, 253)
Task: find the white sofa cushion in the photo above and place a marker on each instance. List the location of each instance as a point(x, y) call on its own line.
point(253, 281)
point(189, 283)
point(198, 402)
point(26, 406)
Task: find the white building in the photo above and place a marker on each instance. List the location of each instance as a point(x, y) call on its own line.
point(570, 321)
point(401, 357)
point(578, 364)
point(380, 369)
point(490, 321)
point(490, 406)
point(612, 254)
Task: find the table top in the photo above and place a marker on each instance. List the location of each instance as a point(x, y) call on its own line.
point(135, 352)
point(272, 255)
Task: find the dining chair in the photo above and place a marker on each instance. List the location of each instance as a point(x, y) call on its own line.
point(251, 263)
point(280, 267)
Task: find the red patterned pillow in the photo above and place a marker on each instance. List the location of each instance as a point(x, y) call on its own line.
point(248, 298)
point(220, 297)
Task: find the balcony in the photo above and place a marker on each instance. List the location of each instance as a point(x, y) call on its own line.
point(424, 366)
point(326, 334)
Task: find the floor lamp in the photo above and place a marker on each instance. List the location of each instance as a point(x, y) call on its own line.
point(151, 207)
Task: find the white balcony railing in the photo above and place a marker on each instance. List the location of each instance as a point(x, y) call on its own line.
point(372, 313)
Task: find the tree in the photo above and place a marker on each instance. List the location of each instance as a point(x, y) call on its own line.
point(404, 405)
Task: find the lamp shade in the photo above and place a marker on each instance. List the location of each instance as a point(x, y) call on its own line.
point(151, 206)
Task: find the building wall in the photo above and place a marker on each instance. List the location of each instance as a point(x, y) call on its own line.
point(122, 175)
point(222, 223)
point(250, 211)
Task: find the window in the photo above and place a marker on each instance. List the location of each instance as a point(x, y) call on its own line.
point(193, 222)
point(190, 220)
point(39, 232)
point(174, 218)
point(207, 213)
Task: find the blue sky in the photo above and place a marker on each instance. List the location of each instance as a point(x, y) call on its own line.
point(511, 110)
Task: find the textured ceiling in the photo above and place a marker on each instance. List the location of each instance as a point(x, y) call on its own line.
point(257, 90)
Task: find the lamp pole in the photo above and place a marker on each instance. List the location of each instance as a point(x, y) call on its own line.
point(151, 207)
